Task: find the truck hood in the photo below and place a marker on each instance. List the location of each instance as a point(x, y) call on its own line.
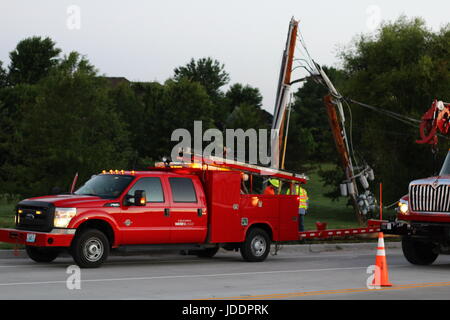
point(440, 179)
point(72, 200)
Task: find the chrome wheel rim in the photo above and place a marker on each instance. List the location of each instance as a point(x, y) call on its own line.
point(258, 246)
point(93, 249)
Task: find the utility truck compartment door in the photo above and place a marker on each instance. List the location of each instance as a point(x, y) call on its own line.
point(224, 192)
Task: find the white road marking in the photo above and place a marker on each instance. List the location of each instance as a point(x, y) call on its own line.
point(191, 276)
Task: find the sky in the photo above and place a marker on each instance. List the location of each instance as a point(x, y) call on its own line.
point(145, 40)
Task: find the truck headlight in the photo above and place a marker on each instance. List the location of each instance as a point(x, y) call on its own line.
point(63, 216)
point(403, 206)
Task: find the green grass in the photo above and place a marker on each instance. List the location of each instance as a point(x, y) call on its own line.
point(336, 214)
point(7, 213)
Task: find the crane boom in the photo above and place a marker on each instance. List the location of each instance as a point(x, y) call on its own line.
point(284, 84)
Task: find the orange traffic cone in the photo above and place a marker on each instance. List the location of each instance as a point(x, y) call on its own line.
point(381, 277)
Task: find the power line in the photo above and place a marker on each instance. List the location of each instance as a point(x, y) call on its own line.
point(303, 43)
point(402, 118)
point(405, 119)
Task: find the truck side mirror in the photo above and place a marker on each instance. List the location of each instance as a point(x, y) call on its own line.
point(139, 198)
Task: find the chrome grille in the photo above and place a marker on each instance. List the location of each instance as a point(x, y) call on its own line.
point(425, 198)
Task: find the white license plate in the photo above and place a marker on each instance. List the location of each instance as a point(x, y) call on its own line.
point(31, 237)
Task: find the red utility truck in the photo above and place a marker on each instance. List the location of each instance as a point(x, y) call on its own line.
point(195, 207)
point(423, 218)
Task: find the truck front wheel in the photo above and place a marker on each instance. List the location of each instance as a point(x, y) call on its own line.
point(90, 248)
point(42, 254)
point(256, 246)
point(418, 252)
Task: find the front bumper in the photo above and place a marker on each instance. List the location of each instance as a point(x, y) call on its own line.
point(55, 238)
point(431, 230)
point(395, 227)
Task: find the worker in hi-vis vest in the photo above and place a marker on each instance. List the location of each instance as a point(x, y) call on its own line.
point(272, 187)
point(302, 205)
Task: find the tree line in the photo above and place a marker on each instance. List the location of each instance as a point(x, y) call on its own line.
point(59, 115)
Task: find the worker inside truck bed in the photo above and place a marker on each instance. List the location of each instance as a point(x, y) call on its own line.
point(272, 187)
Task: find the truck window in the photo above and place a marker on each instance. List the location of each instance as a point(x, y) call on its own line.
point(106, 186)
point(152, 187)
point(182, 190)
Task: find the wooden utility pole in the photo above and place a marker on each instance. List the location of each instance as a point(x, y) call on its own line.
point(341, 147)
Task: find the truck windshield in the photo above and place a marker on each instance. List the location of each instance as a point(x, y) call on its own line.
point(105, 186)
point(446, 166)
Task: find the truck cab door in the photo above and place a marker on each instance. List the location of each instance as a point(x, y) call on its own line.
point(147, 224)
point(188, 211)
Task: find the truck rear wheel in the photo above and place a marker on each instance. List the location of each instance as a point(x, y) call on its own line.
point(90, 248)
point(256, 246)
point(418, 252)
point(42, 254)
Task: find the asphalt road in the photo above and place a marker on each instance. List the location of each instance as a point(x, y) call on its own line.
point(297, 272)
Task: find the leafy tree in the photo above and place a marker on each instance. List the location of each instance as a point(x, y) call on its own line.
point(246, 116)
point(243, 108)
point(32, 60)
point(206, 71)
point(69, 127)
point(143, 111)
point(212, 76)
point(153, 111)
point(310, 138)
point(184, 103)
point(238, 94)
point(3, 76)
point(14, 102)
point(128, 104)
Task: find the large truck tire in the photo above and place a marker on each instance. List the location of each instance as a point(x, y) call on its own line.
point(418, 252)
point(90, 248)
point(256, 246)
point(41, 254)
